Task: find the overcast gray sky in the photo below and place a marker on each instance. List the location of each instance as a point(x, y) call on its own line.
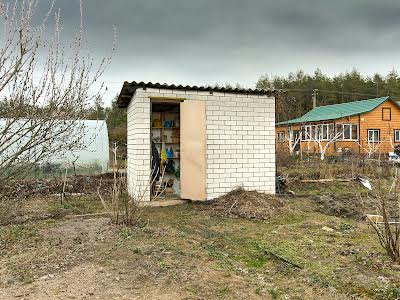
point(235, 41)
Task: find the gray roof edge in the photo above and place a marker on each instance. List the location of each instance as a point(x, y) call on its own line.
point(129, 88)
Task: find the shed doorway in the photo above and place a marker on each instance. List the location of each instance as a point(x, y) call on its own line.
point(178, 139)
point(165, 145)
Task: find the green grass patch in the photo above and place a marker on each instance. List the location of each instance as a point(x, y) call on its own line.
point(76, 205)
point(19, 232)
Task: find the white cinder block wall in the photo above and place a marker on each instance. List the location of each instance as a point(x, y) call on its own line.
point(240, 143)
point(138, 146)
point(240, 140)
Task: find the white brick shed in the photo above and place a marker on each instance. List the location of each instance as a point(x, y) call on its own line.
point(221, 138)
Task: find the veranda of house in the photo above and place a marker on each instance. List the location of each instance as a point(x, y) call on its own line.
point(376, 131)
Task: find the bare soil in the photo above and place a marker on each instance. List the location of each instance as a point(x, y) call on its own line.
point(339, 205)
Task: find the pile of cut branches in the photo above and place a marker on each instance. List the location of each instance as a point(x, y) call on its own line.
point(247, 205)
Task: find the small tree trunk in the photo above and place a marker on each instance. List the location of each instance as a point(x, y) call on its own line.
point(64, 185)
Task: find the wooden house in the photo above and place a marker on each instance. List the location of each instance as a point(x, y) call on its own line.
point(369, 127)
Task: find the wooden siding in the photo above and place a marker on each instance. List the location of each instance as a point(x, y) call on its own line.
point(371, 120)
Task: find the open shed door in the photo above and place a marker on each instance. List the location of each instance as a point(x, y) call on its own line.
point(193, 150)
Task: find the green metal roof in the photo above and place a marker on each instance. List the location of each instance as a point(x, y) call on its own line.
point(337, 111)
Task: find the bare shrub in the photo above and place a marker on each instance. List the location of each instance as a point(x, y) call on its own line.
point(338, 167)
point(324, 142)
point(117, 200)
point(386, 219)
point(118, 133)
point(122, 208)
point(284, 159)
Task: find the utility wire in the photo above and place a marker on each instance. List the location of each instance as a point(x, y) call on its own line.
point(349, 93)
point(329, 91)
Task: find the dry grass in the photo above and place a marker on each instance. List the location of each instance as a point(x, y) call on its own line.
point(331, 168)
point(185, 253)
point(196, 252)
point(24, 189)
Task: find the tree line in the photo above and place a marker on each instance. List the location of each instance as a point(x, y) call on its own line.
point(341, 88)
point(297, 100)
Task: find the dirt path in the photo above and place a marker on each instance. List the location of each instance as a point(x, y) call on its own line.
point(86, 281)
point(71, 269)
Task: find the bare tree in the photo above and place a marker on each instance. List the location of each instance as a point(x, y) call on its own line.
point(46, 87)
point(386, 222)
point(333, 137)
point(372, 146)
point(124, 209)
point(292, 141)
point(324, 138)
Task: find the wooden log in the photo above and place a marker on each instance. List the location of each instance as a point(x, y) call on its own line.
point(278, 257)
point(324, 180)
point(375, 218)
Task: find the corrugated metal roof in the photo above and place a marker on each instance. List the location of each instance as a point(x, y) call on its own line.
point(337, 111)
point(129, 88)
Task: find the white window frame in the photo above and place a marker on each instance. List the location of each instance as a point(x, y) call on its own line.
point(351, 138)
point(317, 129)
point(372, 131)
point(350, 132)
point(397, 131)
point(306, 136)
point(308, 130)
point(321, 129)
point(281, 136)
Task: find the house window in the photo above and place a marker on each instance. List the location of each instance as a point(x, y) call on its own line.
point(323, 132)
point(281, 136)
point(303, 134)
point(339, 128)
point(347, 132)
point(374, 135)
point(293, 135)
point(397, 135)
point(307, 132)
point(331, 130)
point(350, 131)
point(386, 114)
point(314, 129)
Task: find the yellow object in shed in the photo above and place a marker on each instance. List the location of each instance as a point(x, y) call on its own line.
point(163, 153)
point(157, 123)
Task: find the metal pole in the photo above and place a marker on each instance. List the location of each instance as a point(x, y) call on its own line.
point(315, 91)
